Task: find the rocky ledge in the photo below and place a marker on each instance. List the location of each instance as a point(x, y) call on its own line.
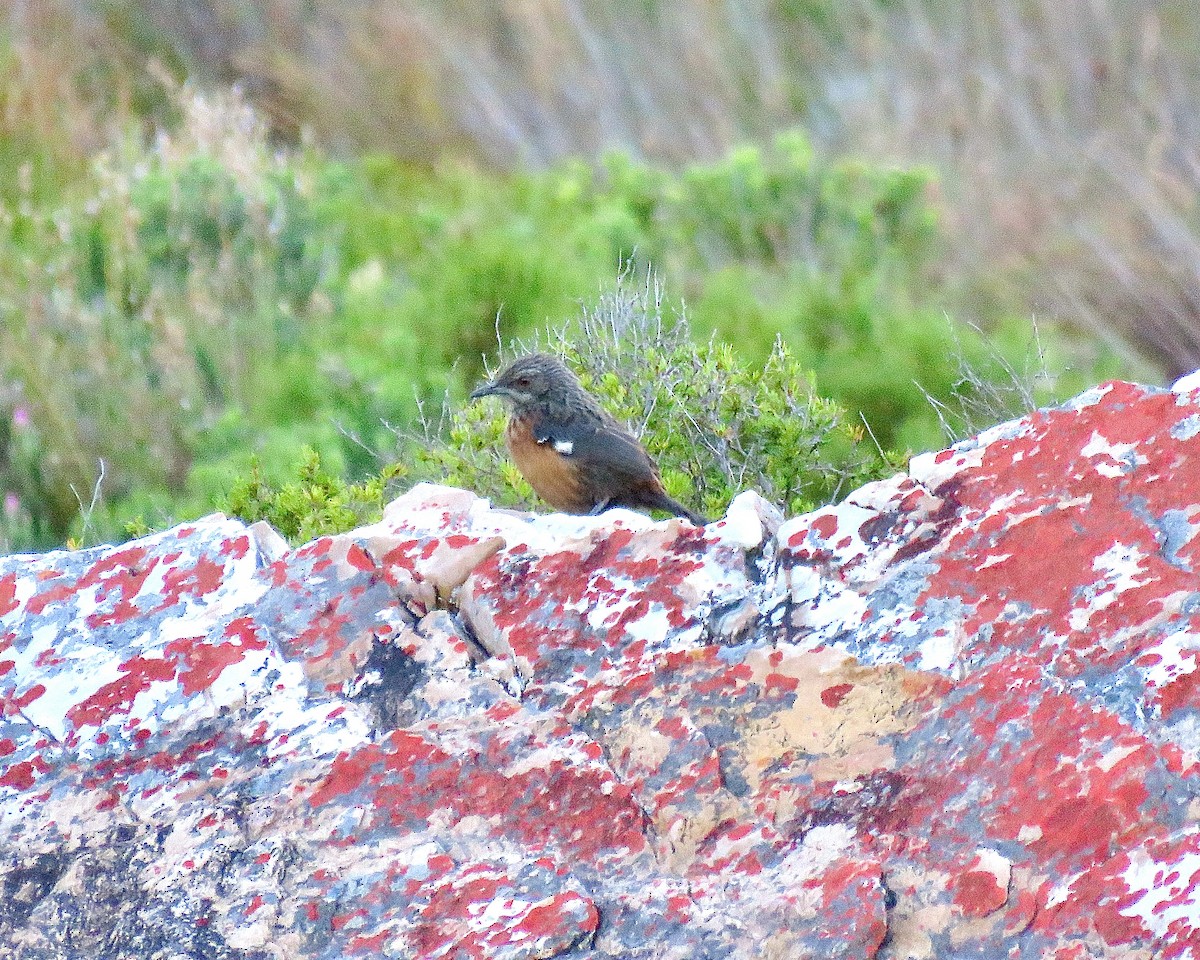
point(955, 715)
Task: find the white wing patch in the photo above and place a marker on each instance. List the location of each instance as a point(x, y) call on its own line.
point(565, 447)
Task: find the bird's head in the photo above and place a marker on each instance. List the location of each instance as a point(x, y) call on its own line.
point(531, 380)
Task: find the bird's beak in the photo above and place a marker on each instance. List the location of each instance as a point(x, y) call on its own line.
point(483, 390)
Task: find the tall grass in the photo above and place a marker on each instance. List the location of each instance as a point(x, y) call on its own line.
point(505, 82)
point(1068, 136)
point(184, 285)
point(1064, 131)
point(140, 303)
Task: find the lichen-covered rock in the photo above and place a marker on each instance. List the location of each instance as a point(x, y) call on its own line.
point(956, 715)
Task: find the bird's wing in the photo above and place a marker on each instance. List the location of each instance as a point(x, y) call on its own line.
point(605, 452)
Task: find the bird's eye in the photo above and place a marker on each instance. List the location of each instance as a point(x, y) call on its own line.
point(521, 382)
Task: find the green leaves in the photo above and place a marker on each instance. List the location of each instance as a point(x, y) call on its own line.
point(716, 423)
point(195, 298)
point(314, 504)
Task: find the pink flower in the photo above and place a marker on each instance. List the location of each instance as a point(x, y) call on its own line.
point(12, 505)
point(20, 417)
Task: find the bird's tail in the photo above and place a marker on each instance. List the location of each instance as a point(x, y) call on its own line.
point(660, 501)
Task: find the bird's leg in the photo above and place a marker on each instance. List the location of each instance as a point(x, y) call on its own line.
point(600, 507)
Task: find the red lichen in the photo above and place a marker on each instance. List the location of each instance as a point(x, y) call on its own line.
point(978, 893)
point(199, 662)
point(118, 695)
point(20, 776)
point(833, 696)
point(8, 594)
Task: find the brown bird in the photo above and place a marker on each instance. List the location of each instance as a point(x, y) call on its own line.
point(570, 449)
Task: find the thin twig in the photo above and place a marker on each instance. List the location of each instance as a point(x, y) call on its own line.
point(86, 512)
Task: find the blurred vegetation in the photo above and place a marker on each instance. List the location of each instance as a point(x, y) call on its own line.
point(716, 423)
point(1064, 132)
point(312, 504)
point(193, 309)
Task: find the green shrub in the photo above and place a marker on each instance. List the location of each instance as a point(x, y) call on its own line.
point(171, 293)
point(313, 504)
point(716, 424)
point(189, 304)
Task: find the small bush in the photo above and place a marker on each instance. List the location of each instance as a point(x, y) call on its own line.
point(315, 503)
point(717, 425)
point(168, 294)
